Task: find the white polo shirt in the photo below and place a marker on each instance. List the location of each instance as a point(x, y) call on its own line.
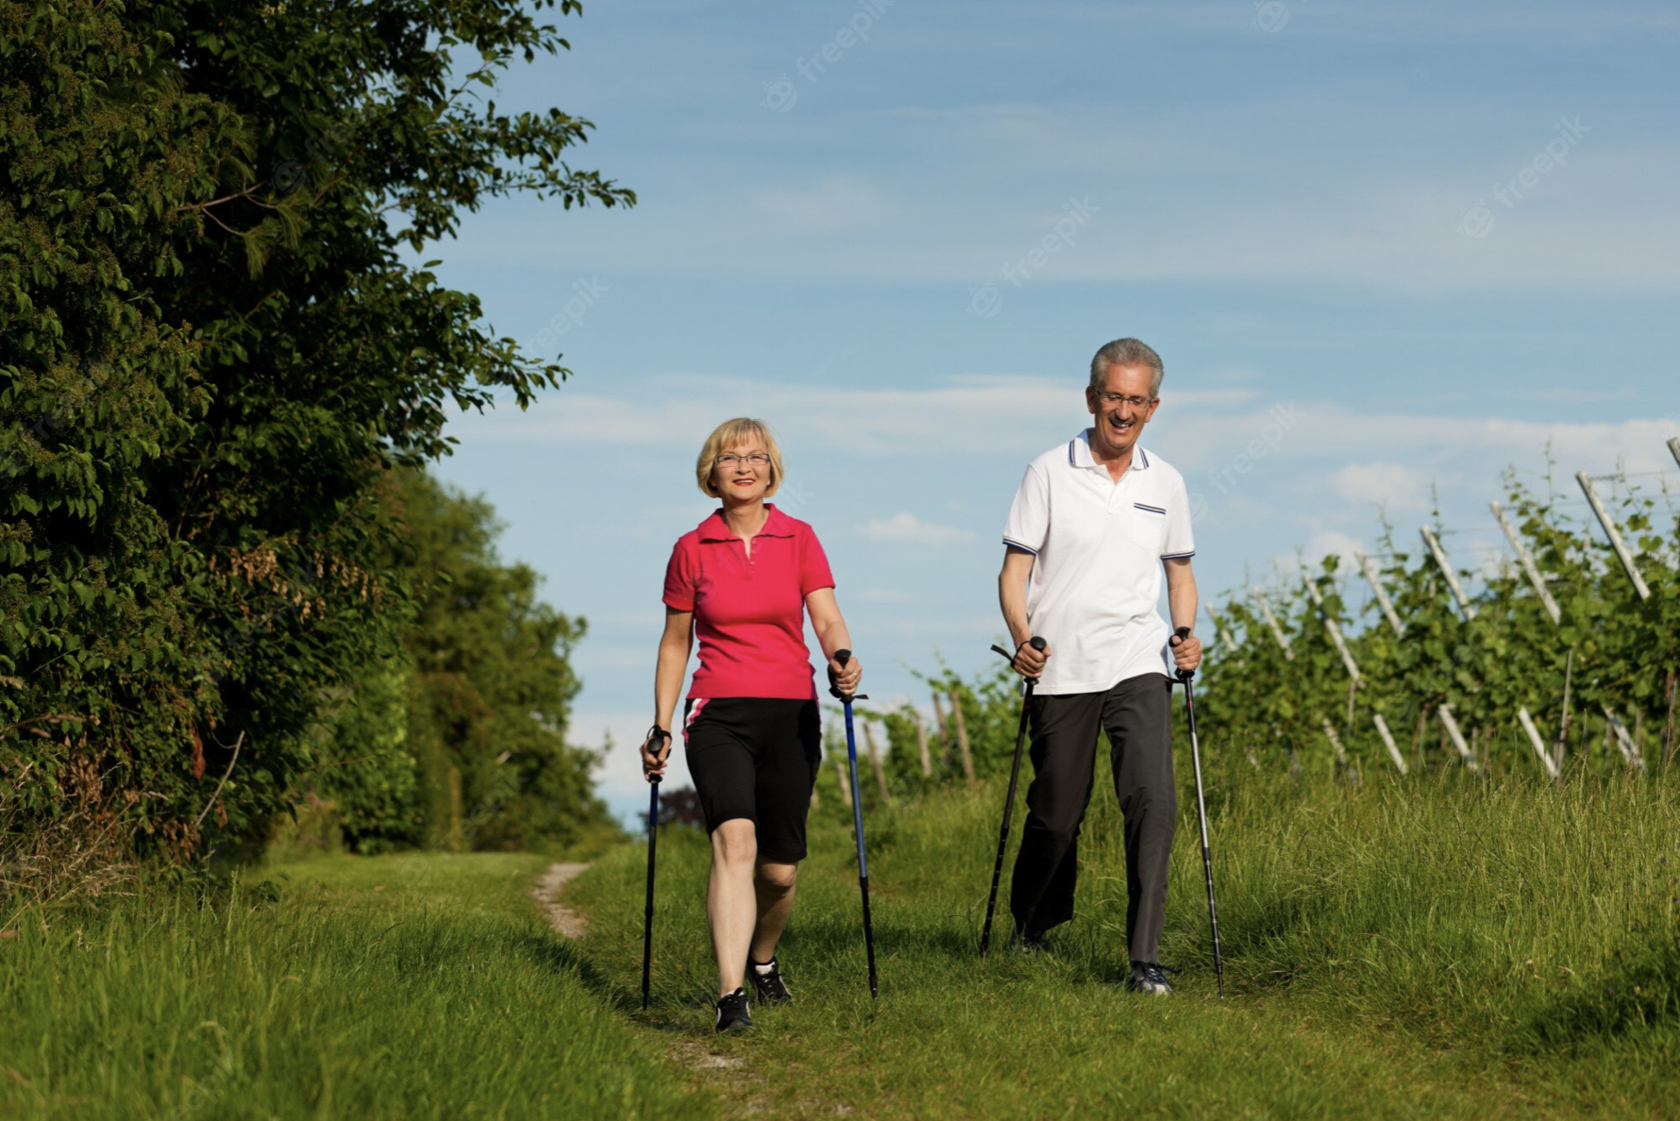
point(1097, 578)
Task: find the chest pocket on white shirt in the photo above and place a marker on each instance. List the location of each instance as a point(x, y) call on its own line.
point(1149, 528)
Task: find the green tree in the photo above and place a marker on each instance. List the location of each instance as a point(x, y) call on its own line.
point(212, 352)
point(492, 680)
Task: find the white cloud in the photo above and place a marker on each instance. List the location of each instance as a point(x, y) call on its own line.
point(1004, 413)
point(906, 527)
point(834, 202)
point(1392, 486)
point(1328, 543)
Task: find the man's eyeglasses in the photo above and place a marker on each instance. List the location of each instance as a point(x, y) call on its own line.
point(751, 459)
point(1122, 399)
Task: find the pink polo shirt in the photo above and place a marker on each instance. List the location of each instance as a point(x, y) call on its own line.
point(749, 613)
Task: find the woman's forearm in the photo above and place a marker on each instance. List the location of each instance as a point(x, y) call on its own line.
point(668, 678)
point(832, 635)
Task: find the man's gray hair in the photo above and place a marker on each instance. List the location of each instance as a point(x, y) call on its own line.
point(1127, 352)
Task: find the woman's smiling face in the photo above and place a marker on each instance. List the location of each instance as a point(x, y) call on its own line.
point(741, 472)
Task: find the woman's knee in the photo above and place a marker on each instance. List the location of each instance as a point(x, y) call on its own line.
point(735, 843)
point(778, 877)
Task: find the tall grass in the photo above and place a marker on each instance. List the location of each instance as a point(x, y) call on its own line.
point(402, 987)
point(1399, 948)
point(1423, 948)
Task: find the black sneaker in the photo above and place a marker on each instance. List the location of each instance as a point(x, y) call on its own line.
point(1031, 942)
point(766, 978)
point(732, 1012)
point(1149, 977)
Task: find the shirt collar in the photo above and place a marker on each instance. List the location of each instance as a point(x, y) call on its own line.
point(778, 524)
point(1079, 453)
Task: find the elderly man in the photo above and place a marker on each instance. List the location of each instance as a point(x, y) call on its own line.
point(1095, 521)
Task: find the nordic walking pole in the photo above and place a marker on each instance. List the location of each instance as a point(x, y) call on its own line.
point(842, 657)
point(653, 840)
point(1185, 675)
point(1009, 802)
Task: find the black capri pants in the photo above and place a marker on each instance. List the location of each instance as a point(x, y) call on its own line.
point(755, 758)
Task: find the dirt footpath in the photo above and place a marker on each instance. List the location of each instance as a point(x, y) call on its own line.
point(562, 918)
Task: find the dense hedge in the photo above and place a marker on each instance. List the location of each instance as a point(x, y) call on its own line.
point(212, 355)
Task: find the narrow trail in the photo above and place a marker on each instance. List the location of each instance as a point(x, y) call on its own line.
point(567, 922)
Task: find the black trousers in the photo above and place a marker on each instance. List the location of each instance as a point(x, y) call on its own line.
point(1137, 715)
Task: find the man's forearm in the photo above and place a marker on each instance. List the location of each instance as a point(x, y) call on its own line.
point(1012, 597)
point(1182, 603)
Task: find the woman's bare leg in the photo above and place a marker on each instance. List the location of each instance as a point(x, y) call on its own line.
point(731, 903)
point(774, 886)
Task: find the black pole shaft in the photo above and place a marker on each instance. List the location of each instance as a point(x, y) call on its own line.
point(1008, 809)
point(863, 861)
point(842, 657)
point(647, 913)
point(1201, 814)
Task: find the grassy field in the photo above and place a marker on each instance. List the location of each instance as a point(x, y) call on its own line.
point(1396, 950)
point(392, 987)
point(1399, 949)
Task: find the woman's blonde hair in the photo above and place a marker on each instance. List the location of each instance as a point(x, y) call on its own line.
point(731, 434)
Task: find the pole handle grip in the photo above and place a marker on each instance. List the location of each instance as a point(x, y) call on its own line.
point(1037, 642)
point(1182, 633)
point(844, 656)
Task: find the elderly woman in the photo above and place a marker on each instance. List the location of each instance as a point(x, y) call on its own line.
point(743, 582)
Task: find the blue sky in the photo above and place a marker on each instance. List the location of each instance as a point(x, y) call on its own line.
point(1385, 250)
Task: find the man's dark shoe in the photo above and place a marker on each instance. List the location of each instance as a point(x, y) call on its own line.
point(732, 1012)
point(1149, 977)
point(767, 980)
point(1032, 941)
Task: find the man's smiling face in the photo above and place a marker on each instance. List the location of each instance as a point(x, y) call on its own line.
point(1121, 408)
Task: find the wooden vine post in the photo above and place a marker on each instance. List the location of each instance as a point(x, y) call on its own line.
point(1464, 604)
point(875, 761)
point(1668, 734)
point(1271, 621)
point(1614, 534)
point(922, 743)
point(1388, 742)
point(962, 735)
point(1520, 547)
point(943, 728)
point(1372, 578)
